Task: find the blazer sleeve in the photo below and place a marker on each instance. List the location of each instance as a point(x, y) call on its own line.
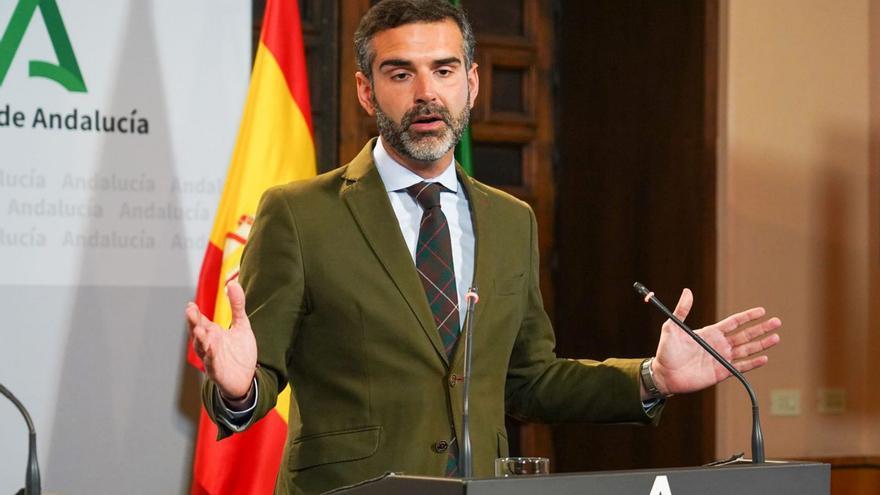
point(273, 279)
point(543, 387)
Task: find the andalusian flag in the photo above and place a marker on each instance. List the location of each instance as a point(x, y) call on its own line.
point(463, 149)
point(463, 152)
point(274, 146)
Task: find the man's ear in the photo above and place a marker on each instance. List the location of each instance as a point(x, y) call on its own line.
point(473, 83)
point(365, 93)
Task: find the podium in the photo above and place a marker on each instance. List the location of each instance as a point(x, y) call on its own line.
point(770, 478)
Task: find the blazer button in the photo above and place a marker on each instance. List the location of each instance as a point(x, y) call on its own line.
point(441, 446)
point(452, 380)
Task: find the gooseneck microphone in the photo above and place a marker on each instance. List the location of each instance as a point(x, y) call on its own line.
point(757, 436)
point(467, 456)
point(32, 476)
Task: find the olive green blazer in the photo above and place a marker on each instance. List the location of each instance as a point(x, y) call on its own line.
point(339, 312)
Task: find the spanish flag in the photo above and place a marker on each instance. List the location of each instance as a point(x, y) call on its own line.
point(274, 146)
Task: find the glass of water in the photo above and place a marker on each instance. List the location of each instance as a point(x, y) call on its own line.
point(521, 466)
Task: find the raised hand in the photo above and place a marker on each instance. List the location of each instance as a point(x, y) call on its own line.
point(229, 356)
point(682, 366)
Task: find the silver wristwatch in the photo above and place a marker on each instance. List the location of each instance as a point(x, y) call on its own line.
point(647, 374)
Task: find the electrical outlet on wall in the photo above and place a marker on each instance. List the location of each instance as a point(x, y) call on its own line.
point(785, 402)
point(831, 400)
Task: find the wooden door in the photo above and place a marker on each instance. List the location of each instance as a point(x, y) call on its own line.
point(636, 201)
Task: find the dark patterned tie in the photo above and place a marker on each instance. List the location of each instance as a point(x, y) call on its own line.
point(434, 263)
point(437, 273)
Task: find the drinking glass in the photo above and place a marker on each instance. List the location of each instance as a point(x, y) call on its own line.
point(520, 466)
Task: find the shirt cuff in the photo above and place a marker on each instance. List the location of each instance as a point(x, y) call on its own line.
point(236, 421)
point(650, 404)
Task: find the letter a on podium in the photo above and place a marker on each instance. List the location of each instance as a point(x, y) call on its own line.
point(661, 486)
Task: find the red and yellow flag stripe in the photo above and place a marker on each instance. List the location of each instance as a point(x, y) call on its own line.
point(275, 145)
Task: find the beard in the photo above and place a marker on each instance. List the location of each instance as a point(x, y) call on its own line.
point(422, 146)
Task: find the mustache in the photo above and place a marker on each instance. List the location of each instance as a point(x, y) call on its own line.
point(426, 109)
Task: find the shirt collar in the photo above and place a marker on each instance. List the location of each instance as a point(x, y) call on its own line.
point(396, 177)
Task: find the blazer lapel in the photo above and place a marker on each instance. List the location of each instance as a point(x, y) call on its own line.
point(368, 202)
point(480, 219)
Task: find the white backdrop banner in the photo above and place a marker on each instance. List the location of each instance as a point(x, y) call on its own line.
point(117, 121)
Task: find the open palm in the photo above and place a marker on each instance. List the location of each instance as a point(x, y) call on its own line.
point(229, 356)
point(682, 366)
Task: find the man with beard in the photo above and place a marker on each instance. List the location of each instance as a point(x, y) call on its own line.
point(355, 282)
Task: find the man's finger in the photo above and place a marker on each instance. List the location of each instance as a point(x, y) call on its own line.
point(197, 319)
point(750, 348)
point(193, 315)
point(750, 364)
point(684, 304)
point(200, 340)
point(236, 302)
point(751, 333)
point(735, 321)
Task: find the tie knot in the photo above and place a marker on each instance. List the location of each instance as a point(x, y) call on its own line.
point(427, 194)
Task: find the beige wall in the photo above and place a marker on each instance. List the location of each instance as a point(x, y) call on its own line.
point(871, 420)
point(798, 86)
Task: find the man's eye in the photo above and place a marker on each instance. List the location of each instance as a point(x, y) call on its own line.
point(444, 72)
point(400, 76)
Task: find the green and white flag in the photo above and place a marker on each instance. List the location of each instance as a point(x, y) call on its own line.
point(463, 150)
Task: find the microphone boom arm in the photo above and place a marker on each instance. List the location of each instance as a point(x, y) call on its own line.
point(757, 434)
point(32, 476)
point(467, 456)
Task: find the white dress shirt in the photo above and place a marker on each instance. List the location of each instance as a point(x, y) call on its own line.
point(455, 207)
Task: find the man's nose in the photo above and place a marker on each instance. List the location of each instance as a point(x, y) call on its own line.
point(424, 89)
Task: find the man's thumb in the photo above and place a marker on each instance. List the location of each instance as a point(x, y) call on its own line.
point(236, 302)
point(684, 304)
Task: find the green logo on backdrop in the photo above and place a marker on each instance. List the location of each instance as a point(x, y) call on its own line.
point(66, 72)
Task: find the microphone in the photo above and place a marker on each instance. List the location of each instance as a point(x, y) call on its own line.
point(32, 476)
point(467, 455)
point(757, 435)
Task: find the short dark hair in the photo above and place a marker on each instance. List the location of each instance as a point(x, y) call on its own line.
point(389, 14)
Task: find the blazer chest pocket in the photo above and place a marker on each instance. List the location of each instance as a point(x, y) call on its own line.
point(509, 285)
point(336, 446)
